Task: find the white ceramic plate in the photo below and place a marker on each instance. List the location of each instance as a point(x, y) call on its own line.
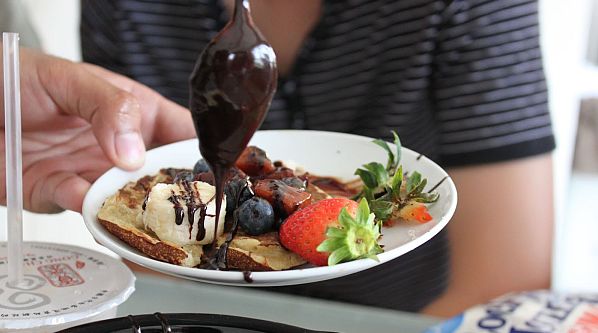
point(321, 153)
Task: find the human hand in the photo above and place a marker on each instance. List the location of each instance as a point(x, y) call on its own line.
point(78, 120)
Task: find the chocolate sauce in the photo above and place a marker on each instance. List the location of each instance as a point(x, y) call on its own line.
point(216, 256)
point(201, 233)
point(179, 214)
point(231, 89)
point(247, 276)
point(333, 186)
point(193, 203)
point(144, 204)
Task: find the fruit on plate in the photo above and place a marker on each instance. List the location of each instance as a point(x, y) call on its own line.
point(284, 198)
point(415, 211)
point(332, 231)
point(254, 162)
point(392, 194)
point(237, 190)
point(201, 166)
point(255, 216)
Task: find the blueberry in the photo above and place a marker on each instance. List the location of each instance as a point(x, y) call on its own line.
point(295, 182)
point(237, 188)
point(255, 216)
point(201, 166)
point(187, 176)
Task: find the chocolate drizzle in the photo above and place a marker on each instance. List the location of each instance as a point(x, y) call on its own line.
point(144, 204)
point(333, 186)
point(190, 196)
point(247, 276)
point(231, 89)
point(179, 214)
point(216, 256)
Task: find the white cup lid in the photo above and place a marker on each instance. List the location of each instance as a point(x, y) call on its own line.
point(62, 284)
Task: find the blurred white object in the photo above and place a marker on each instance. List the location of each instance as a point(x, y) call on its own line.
point(593, 38)
point(564, 33)
point(14, 160)
point(64, 286)
point(57, 25)
point(578, 268)
point(14, 17)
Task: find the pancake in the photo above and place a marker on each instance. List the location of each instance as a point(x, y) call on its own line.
point(120, 215)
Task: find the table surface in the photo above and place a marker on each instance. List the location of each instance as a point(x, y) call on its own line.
point(170, 295)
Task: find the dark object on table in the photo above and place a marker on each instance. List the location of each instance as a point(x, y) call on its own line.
point(185, 323)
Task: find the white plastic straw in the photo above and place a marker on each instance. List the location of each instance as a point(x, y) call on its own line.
point(14, 174)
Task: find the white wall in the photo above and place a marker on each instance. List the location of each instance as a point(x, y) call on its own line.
point(565, 30)
point(57, 24)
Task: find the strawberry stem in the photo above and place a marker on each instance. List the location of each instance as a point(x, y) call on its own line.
point(356, 238)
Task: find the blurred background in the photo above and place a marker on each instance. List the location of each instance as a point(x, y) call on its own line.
point(570, 44)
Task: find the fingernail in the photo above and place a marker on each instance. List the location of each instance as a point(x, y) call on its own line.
point(130, 149)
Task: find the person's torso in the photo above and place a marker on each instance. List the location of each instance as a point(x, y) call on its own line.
point(365, 68)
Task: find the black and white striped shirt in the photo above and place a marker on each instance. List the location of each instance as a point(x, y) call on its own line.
point(460, 80)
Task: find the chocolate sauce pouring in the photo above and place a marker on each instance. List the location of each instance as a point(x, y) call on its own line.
point(231, 89)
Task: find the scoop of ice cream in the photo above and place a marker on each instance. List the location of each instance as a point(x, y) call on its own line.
point(183, 213)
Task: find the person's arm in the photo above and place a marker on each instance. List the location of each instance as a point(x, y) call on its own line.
point(501, 235)
point(495, 136)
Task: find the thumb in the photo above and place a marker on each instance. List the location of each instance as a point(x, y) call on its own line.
point(114, 114)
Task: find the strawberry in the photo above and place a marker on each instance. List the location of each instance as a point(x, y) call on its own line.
point(284, 198)
point(254, 162)
point(415, 211)
point(331, 231)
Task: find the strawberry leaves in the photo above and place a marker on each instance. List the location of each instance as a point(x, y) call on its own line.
point(393, 158)
point(356, 238)
point(382, 209)
point(387, 188)
point(415, 187)
point(373, 175)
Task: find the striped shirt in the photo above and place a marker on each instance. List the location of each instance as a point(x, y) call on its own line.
point(460, 80)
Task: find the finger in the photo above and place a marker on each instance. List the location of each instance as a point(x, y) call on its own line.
point(70, 192)
point(59, 191)
point(61, 181)
point(172, 123)
point(167, 121)
point(114, 113)
point(92, 176)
